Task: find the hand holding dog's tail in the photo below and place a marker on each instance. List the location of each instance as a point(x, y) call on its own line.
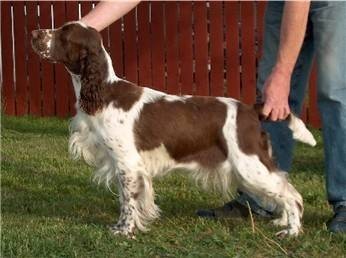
point(297, 126)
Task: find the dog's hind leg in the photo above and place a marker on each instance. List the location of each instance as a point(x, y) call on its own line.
point(254, 177)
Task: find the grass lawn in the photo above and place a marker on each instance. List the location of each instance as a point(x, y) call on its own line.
point(50, 207)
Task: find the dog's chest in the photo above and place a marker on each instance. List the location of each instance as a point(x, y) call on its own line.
point(97, 138)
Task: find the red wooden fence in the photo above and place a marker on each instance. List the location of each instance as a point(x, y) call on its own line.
point(202, 48)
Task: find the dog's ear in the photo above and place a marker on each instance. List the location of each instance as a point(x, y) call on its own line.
point(83, 53)
point(92, 79)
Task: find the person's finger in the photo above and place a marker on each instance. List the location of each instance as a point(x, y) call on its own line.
point(287, 111)
point(266, 110)
point(274, 115)
point(282, 114)
point(279, 114)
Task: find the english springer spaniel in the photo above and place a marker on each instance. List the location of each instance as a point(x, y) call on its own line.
point(132, 134)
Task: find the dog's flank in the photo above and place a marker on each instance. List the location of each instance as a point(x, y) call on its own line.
point(132, 134)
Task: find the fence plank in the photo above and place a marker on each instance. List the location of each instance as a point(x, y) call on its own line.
point(61, 76)
point(71, 15)
point(171, 23)
point(185, 47)
point(86, 6)
point(7, 89)
point(105, 37)
point(260, 13)
point(313, 114)
point(232, 49)
point(201, 48)
point(216, 49)
point(116, 47)
point(144, 46)
point(248, 59)
point(20, 58)
point(47, 69)
point(157, 41)
point(130, 48)
point(33, 62)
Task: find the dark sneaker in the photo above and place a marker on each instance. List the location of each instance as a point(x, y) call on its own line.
point(337, 224)
point(233, 209)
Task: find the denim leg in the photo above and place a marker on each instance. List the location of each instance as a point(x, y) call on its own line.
point(281, 136)
point(329, 23)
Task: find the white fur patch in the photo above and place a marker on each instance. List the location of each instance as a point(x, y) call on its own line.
point(157, 161)
point(173, 98)
point(111, 77)
point(300, 132)
point(77, 22)
point(76, 82)
point(81, 24)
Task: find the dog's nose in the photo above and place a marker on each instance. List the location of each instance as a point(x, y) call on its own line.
point(34, 34)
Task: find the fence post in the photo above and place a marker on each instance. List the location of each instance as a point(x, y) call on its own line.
point(7, 89)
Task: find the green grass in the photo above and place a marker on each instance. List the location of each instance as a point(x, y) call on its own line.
point(50, 207)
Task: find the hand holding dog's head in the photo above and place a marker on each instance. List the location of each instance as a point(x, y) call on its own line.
point(70, 44)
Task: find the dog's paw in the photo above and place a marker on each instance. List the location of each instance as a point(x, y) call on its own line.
point(122, 230)
point(287, 232)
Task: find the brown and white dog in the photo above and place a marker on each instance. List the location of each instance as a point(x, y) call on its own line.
point(132, 134)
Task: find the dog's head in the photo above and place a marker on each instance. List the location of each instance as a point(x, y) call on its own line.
point(69, 44)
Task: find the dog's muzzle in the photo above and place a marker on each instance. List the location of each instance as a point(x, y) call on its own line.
point(41, 41)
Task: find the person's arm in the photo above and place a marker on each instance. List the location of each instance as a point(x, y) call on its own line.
point(277, 85)
point(107, 12)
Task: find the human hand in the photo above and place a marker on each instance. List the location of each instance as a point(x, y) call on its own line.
point(107, 12)
point(276, 92)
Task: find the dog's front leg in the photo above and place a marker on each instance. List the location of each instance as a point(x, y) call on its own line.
point(126, 223)
point(137, 206)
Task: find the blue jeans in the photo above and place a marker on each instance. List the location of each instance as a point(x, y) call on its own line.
point(326, 41)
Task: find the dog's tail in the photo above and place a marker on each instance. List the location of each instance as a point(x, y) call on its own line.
point(297, 126)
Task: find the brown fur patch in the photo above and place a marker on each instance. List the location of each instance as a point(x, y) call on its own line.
point(190, 130)
point(123, 94)
point(140, 187)
point(251, 139)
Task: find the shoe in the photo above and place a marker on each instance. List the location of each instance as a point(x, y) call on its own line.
point(233, 209)
point(337, 224)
